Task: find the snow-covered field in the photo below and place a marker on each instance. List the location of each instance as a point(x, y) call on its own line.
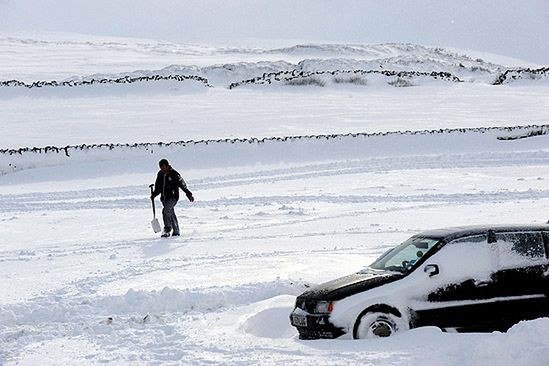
point(172, 110)
point(84, 280)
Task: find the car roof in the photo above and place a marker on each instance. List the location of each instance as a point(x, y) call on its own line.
point(451, 233)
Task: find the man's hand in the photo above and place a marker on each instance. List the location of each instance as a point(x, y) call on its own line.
point(152, 197)
point(190, 197)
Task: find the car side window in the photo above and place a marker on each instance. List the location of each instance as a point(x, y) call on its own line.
point(465, 258)
point(520, 249)
point(470, 239)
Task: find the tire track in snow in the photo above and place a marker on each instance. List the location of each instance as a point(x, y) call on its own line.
point(140, 203)
point(110, 246)
point(56, 252)
point(385, 164)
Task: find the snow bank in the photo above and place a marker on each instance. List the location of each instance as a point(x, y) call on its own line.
point(357, 77)
point(200, 300)
point(271, 323)
point(93, 87)
point(522, 74)
point(93, 81)
point(108, 318)
point(223, 74)
point(310, 72)
point(215, 153)
point(395, 72)
point(525, 344)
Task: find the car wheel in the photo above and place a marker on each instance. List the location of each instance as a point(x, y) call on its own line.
point(377, 325)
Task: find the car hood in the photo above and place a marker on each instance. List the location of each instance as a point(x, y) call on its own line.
point(349, 285)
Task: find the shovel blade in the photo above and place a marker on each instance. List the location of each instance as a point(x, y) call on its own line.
point(156, 226)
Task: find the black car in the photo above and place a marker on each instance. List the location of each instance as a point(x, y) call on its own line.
point(472, 278)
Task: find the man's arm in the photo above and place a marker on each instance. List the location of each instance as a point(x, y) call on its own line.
point(181, 183)
point(189, 194)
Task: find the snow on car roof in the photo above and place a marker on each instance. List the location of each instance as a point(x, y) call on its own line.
point(451, 233)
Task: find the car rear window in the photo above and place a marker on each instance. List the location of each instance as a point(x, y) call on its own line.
point(520, 249)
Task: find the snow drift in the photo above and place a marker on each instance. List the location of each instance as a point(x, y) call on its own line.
point(207, 153)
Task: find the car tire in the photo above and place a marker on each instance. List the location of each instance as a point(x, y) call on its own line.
point(377, 325)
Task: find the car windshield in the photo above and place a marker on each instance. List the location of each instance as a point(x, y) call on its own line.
point(403, 258)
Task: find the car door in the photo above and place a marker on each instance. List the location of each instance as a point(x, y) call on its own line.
point(545, 279)
point(521, 276)
point(462, 293)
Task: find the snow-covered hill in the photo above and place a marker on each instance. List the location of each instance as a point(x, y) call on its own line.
point(85, 59)
point(114, 83)
point(505, 27)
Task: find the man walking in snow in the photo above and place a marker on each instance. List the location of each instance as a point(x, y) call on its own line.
point(168, 182)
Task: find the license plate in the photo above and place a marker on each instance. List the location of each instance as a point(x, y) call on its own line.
point(299, 320)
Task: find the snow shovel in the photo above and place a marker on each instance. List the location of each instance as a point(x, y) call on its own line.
point(154, 223)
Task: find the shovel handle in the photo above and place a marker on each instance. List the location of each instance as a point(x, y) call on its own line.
point(152, 200)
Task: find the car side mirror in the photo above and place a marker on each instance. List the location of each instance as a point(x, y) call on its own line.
point(431, 270)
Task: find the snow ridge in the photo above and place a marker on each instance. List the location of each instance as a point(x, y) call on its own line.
point(220, 151)
point(86, 314)
point(272, 74)
point(94, 81)
point(522, 74)
point(289, 76)
point(225, 65)
point(529, 130)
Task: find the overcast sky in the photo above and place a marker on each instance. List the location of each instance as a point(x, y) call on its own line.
point(517, 28)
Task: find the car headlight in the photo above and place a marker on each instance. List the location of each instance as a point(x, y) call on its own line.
point(324, 307)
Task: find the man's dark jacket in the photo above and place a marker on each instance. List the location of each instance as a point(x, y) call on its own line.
point(167, 185)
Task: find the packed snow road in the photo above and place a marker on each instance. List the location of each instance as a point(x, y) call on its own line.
point(85, 281)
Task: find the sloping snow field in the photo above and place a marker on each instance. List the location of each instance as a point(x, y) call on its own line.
point(85, 281)
point(171, 111)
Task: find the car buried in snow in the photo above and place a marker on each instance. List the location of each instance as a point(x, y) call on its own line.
point(462, 279)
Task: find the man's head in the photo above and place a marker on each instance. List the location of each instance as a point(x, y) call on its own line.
point(164, 165)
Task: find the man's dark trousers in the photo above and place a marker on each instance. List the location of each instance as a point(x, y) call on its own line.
point(168, 215)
